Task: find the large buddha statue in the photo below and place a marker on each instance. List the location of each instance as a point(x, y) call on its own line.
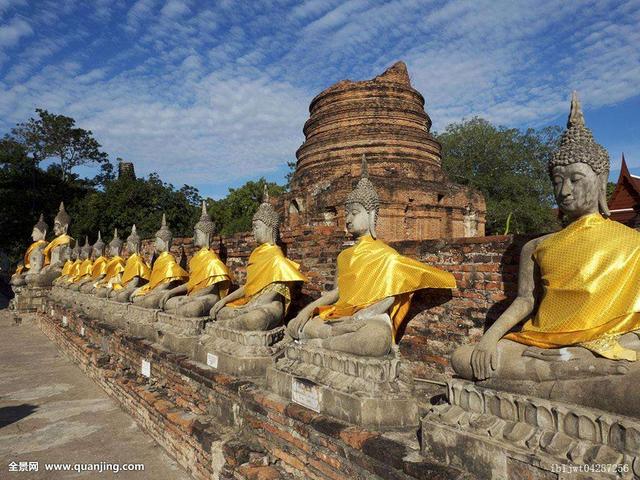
point(114, 267)
point(262, 302)
point(209, 277)
point(587, 321)
point(98, 266)
point(165, 274)
point(56, 252)
point(71, 267)
point(374, 287)
point(84, 268)
point(136, 271)
point(33, 257)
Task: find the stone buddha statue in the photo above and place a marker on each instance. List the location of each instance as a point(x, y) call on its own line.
point(98, 266)
point(56, 252)
point(84, 268)
point(587, 321)
point(71, 267)
point(262, 302)
point(114, 268)
point(136, 271)
point(209, 277)
point(34, 256)
point(165, 274)
point(374, 287)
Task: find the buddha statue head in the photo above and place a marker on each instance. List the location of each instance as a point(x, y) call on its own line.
point(204, 229)
point(115, 245)
point(362, 205)
point(39, 231)
point(579, 169)
point(163, 237)
point(133, 241)
point(75, 252)
point(61, 221)
point(85, 251)
point(98, 247)
point(266, 221)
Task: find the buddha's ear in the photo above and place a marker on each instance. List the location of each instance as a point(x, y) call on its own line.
point(372, 224)
point(602, 195)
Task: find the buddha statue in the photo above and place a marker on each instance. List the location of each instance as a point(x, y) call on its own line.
point(33, 257)
point(84, 268)
point(374, 287)
point(165, 273)
point(262, 302)
point(57, 252)
point(98, 266)
point(114, 267)
point(136, 271)
point(71, 267)
point(209, 277)
point(587, 321)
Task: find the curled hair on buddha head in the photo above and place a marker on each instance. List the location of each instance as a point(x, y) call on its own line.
point(115, 242)
point(99, 245)
point(164, 233)
point(41, 226)
point(205, 224)
point(577, 145)
point(62, 217)
point(365, 194)
point(267, 214)
point(133, 237)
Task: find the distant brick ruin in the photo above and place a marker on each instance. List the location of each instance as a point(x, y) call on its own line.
point(385, 119)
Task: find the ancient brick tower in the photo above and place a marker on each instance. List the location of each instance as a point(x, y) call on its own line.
point(385, 119)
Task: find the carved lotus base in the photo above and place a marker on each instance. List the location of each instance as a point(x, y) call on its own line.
point(178, 334)
point(238, 352)
point(372, 392)
point(502, 435)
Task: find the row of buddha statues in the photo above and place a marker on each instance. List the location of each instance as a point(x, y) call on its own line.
point(578, 291)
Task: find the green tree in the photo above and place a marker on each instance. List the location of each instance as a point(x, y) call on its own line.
point(51, 136)
point(509, 167)
point(233, 213)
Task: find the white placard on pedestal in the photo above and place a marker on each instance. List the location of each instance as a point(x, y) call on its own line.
point(212, 360)
point(65, 322)
point(305, 393)
point(146, 368)
point(82, 331)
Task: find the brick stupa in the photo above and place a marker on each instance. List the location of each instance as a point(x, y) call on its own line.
point(385, 119)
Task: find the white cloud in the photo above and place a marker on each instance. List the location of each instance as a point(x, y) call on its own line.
point(14, 31)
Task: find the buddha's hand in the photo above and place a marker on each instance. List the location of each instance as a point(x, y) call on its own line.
point(163, 300)
point(297, 323)
point(217, 307)
point(484, 358)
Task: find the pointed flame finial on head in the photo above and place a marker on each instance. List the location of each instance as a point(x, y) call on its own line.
point(265, 194)
point(576, 117)
point(364, 173)
point(62, 217)
point(164, 233)
point(205, 224)
point(41, 225)
point(164, 220)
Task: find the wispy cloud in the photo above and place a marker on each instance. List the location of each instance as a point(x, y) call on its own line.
point(217, 93)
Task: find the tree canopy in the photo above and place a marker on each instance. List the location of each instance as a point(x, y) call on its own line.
point(509, 167)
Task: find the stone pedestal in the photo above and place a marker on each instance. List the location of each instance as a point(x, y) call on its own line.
point(115, 314)
point(29, 299)
point(239, 352)
point(372, 392)
point(179, 334)
point(141, 321)
point(502, 435)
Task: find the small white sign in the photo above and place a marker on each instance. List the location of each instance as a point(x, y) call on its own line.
point(305, 393)
point(53, 312)
point(65, 322)
point(82, 331)
point(146, 368)
point(212, 360)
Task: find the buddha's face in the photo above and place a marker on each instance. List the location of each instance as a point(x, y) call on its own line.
point(74, 254)
point(114, 251)
point(200, 238)
point(36, 234)
point(160, 245)
point(357, 220)
point(262, 232)
point(59, 228)
point(97, 251)
point(132, 247)
point(84, 253)
point(576, 188)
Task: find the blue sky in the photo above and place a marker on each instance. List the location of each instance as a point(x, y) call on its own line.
point(216, 93)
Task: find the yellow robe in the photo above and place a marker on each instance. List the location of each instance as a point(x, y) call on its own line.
point(269, 268)
point(25, 264)
point(66, 269)
point(591, 276)
point(371, 271)
point(135, 267)
point(206, 269)
point(63, 239)
point(84, 270)
point(99, 267)
point(165, 270)
point(74, 270)
point(115, 266)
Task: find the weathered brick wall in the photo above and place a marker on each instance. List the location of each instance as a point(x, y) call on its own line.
point(485, 268)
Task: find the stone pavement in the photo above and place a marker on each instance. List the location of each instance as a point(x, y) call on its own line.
point(50, 412)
